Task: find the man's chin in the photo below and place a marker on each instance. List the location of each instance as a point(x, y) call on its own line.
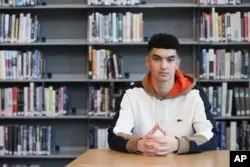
point(164, 79)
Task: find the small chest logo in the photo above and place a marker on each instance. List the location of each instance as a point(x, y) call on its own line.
point(179, 120)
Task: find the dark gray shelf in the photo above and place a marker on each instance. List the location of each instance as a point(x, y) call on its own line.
point(65, 117)
point(183, 41)
point(73, 42)
point(64, 153)
point(46, 117)
point(75, 78)
point(224, 43)
point(150, 5)
point(82, 78)
point(116, 43)
point(223, 80)
point(84, 6)
point(55, 155)
point(67, 41)
point(244, 5)
point(50, 42)
point(147, 5)
point(48, 6)
point(86, 117)
point(233, 118)
point(55, 78)
point(100, 117)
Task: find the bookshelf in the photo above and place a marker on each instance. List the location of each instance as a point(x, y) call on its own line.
point(64, 45)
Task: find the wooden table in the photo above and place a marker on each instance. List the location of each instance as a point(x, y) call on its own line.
point(110, 158)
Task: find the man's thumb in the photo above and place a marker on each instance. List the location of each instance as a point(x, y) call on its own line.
point(153, 130)
point(162, 130)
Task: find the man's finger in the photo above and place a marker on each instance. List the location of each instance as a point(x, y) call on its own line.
point(149, 145)
point(161, 140)
point(153, 130)
point(162, 151)
point(150, 137)
point(161, 148)
point(162, 130)
point(150, 151)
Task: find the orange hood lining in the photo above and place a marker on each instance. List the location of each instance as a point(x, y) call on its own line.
point(183, 83)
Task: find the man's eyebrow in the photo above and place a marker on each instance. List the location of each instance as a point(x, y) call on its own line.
point(155, 55)
point(171, 56)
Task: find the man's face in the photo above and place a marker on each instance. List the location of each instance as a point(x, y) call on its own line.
point(162, 63)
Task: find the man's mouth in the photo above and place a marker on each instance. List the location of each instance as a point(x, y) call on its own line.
point(163, 73)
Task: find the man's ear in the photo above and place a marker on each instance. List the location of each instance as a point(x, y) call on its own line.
point(147, 62)
point(178, 63)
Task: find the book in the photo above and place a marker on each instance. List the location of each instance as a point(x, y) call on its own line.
point(224, 64)
point(34, 101)
point(114, 2)
point(19, 3)
point(220, 2)
point(105, 64)
point(21, 65)
point(225, 26)
point(19, 28)
point(20, 139)
point(115, 27)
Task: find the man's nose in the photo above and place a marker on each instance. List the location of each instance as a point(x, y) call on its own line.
point(164, 64)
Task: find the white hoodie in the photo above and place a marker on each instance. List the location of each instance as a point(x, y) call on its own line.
point(181, 113)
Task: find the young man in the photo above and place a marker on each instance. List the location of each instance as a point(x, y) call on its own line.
point(165, 113)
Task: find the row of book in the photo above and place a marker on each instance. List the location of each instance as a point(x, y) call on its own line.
point(16, 64)
point(225, 27)
point(127, 27)
point(19, 28)
point(19, 165)
point(235, 136)
point(36, 140)
point(115, 27)
point(220, 2)
point(16, 3)
point(19, 139)
point(136, 2)
point(34, 101)
point(101, 101)
point(13, 3)
point(105, 64)
point(227, 102)
point(224, 64)
point(98, 137)
point(114, 2)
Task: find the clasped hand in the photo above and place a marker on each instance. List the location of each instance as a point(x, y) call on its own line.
point(155, 145)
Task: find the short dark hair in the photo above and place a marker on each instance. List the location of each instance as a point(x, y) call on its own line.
point(163, 41)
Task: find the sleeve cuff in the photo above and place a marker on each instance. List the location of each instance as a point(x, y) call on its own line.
point(183, 145)
point(131, 145)
point(132, 141)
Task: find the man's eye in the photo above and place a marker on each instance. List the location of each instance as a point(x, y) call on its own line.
point(170, 60)
point(156, 58)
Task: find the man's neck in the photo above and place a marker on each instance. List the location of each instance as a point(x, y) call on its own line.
point(162, 88)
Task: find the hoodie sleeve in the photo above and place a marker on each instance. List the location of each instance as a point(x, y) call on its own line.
point(204, 125)
point(120, 137)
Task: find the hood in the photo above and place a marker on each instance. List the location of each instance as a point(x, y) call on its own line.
point(183, 83)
